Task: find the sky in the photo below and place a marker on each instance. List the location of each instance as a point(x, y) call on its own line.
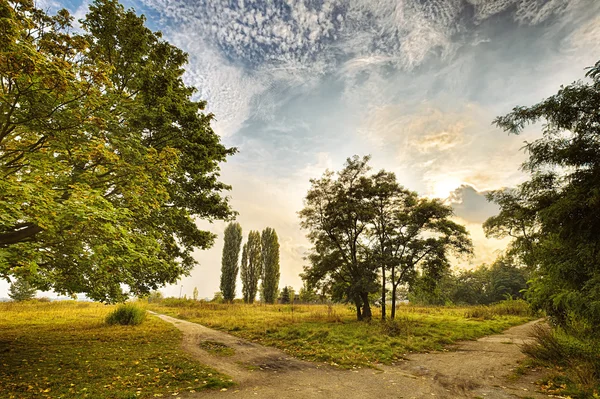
point(298, 86)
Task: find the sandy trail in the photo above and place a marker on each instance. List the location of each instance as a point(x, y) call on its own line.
point(473, 369)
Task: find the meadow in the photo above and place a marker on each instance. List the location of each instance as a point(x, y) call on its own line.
point(66, 350)
point(331, 334)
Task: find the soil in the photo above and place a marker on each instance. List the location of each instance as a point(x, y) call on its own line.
point(472, 369)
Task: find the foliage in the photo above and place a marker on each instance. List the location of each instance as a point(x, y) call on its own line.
point(307, 293)
point(251, 266)
point(360, 224)
point(270, 266)
point(230, 259)
point(126, 314)
point(80, 356)
point(21, 290)
point(482, 285)
point(331, 334)
point(195, 294)
point(218, 297)
point(105, 160)
point(515, 307)
point(576, 354)
point(554, 217)
point(285, 295)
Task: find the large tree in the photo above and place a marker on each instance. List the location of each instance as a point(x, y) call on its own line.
point(560, 238)
point(105, 159)
point(251, 266)
point(337, 214)
point(270, 266)
point(230, 260)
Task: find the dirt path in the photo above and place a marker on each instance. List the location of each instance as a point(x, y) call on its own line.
point(475, 369)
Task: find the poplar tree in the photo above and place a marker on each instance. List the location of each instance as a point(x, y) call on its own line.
point(270, 265)
point(229, 261)
point(251, 266)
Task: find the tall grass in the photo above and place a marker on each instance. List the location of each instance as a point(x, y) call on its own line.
point(126, 314)
point(576, 355)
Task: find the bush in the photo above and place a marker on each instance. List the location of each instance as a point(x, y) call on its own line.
point(509, 307)
point(127, 315)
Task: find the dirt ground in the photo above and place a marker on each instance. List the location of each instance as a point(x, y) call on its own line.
point(473, 369)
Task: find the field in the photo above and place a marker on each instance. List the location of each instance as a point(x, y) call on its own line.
point(65, 350)
point(330, 334)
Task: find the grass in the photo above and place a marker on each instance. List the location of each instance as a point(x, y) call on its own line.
point(573, 357)
point(65, 350)
point(330, 334)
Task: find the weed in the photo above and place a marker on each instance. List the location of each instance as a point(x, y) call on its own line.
point(126, 314)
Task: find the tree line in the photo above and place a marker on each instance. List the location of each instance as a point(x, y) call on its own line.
point(259, 262)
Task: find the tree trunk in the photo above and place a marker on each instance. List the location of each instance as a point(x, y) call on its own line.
point(359, 315)
point(393, 315)
point(383, 292)
point(366, 307)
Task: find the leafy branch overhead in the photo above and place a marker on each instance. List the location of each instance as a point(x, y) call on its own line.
point(105, 159)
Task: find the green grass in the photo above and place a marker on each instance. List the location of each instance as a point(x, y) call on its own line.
point(65, 350)
point(330, 334)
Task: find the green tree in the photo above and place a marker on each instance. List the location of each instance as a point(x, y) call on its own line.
point(270, 266)
point(195, 294)
point(307, 293)
point(230, 260)
point(105, 160)
point(337, 214)
point(561, 200)
point(285, 295)
point(423, 239)
point(251, 266)
point(21, 290)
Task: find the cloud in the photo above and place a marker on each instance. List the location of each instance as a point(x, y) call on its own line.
point(471, 205)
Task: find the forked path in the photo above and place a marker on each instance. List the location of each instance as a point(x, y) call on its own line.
point(474, 369)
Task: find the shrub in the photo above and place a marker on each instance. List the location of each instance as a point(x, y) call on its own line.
point(127, 315)
point(509, 307)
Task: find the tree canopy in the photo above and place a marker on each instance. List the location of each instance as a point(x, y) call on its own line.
point(105, 158)
point(554, 217)
point(270, 266)
point(251, 269)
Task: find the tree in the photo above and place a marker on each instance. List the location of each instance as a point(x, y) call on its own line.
point(285, 295)
point(336, 214)
point(562, 239)
point(230, 259)
point(251, 266)
point(422, 241)
point(270, 266)
point(307, 293)
point(195, 294)
point(105, 160)
point(360, 224)
point(21, 290)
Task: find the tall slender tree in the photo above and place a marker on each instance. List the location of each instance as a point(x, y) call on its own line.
point(230, 259)
point(251, 266)
point(270, 265)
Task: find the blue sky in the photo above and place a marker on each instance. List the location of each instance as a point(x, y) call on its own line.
point(298, 86)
